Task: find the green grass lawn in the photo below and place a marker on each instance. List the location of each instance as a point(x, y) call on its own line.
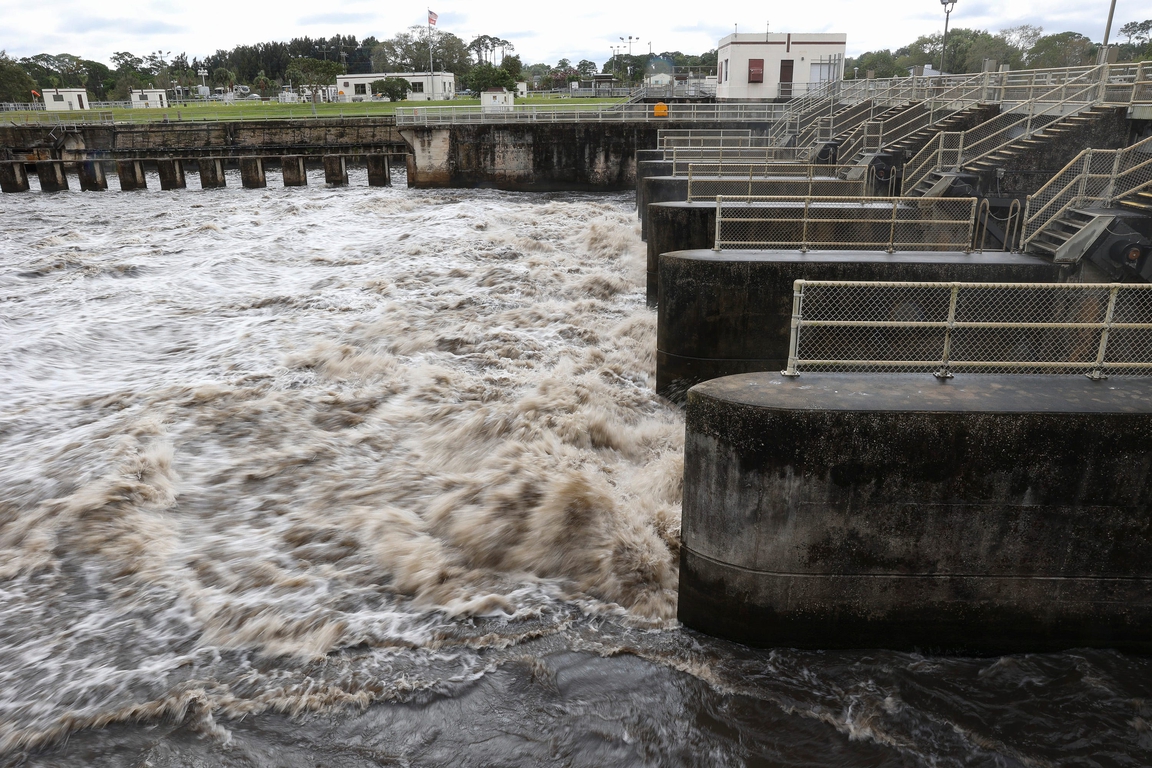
point(263, 110)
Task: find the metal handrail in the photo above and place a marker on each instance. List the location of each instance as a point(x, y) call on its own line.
point(823, 222)
point(1093, 177)
point(968, 146)
point(709, 184)
point(924, 315)
point(682, 157)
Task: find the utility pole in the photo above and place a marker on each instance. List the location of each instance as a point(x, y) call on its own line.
point(1107, 33)
point(948, 5)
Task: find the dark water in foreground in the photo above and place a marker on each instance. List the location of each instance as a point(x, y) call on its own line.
point(377, 477)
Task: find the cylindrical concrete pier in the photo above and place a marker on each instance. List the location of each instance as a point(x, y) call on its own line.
point(51, 175)
point(211, 173)
point(676, 227)
point(131, 175)
point(335, 170)
point(379, 171)
point(171, 174)
point(728, 312)
point(657, 166)
point(292, 167)
point(92, 176)
point(987, 514)
point(13, 177)
point(252, 173)
point(659, 189)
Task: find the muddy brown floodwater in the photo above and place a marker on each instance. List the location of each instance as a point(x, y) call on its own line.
point(358, 477)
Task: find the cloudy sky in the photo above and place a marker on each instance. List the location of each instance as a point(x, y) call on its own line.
point(540, 31)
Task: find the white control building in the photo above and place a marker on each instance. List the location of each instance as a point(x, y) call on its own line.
point(764, 67)
point(425, 86)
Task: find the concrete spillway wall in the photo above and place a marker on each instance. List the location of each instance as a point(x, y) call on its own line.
point(533, 156)
point(151, 140)
point(980, 514)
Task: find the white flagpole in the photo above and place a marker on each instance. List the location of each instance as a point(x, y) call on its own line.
point(431, 66)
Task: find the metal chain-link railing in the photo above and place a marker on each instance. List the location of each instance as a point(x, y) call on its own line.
point(945, 328)
point(690, 137)
point(708, 189)
point(1095, 177)
point(845, 223)
point(759, 170)
point(682, 157)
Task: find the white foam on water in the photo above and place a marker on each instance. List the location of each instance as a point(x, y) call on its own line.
point(284, 422)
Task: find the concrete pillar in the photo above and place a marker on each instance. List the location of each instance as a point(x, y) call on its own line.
point(662, 189)
point(981, 514)
point(171, 174)
point(92, 177)
point(379, 171)
point(295, 174)
point(656, 166)
point(211, 172)
point(51, 174)
point(335, 170)
point(13, 177)
point(252, 173)
point(676, 227)
point(131, 173)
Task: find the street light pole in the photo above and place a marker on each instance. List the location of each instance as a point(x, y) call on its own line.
point(1107, 34)
point(948, 5)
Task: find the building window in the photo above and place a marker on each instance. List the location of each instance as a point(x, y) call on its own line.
point(345, 84)
point(822, 72)
point(361, 89)
point(57, 97)
point(417, 87)
point(143, 97)
point(755, 70)
point(727, 70)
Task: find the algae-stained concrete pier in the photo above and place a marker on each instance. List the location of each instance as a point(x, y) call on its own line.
point(980, 514)
point(940, 465)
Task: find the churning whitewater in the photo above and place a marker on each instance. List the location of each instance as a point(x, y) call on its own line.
point(378, 477)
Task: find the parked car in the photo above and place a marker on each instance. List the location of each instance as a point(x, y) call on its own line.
point(252, 97)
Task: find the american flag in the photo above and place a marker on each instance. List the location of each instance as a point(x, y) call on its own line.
point(432, 18)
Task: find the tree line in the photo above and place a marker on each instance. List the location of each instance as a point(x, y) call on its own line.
point(488, 61)
point(1022, 47)
point(484, 62)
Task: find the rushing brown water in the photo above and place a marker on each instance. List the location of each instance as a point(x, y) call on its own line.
point(354, 477)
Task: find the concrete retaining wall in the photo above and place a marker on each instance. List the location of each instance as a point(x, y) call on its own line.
point(984, 514)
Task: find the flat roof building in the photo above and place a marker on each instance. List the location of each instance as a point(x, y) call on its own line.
point(763, 66)
point(497, 100)
point(65, 99)
point(425, 86)
point(148, 98)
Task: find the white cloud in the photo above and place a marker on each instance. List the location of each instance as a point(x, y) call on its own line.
point(540, 31)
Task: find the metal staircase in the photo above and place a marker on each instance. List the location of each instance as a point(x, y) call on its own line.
point(1096, 208)
point(915, 141)
point(1069, 235)
point(1057, 128)
point(1140, 202)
